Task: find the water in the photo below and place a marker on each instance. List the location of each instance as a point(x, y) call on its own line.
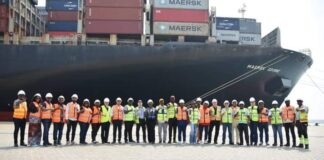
point(320, 122)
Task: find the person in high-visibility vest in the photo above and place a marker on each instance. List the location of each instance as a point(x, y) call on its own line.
point(254, 121)
point(275, 115)
point(288, 119)
point(172, 119)
point(194, 118)
point(204, 121)
point(58, 119)
point(215, 118)
point(105, 120)
point(198, 102)
point(263, 122)
point(71, 116)
point(117, 115)
point(84, 120)
point(19, 117)
point(162, 119)
point(35, 126)
point(95, 120)
point(183, 118)
point(235, 129)
point(302, 124)
point(151, 115)
point(46, 116)
point(140, 121)
point(243, 116)
point(227, 120)
point(129, 119)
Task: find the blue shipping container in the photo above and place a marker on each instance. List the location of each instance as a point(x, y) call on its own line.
point(4, 1)
point(71, 26)
point(62, 5)
point(227, 23)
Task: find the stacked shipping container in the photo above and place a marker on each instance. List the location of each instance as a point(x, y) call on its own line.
point(4, 14)
point(228, 29)
point(250, 32)
point(186, 18)
point(114, 17)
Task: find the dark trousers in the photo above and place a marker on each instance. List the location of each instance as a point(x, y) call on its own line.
point(290, 127)
point(128, 131)
point(20, 124)
point(46, 125)
point(277, 129)
point(57, 132)
point(264, 127)
point(95, 128)
point(117, 125)
point(182, 128)
point(227, 126)
point(302, 131)
point(213, 124)
point(172, 128)
point(151, 130)
point(205, 129)
point(243, 128)
point(140, 125)
point(71, 125)
point(254, 132)
point(105, 132)
point(83, 131)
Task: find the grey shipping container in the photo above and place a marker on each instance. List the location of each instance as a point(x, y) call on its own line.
point(248, 26)
point(182, 4)
point(250, 39)
point(173, 28)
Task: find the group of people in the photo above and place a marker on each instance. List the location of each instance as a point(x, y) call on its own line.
point(235, 117)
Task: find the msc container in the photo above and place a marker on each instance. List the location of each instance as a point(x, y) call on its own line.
point(100, 13)
point(4, 12)
point(182, 4)
point(250, 39)
point(62, 5)
point(173, 28)
point(250, 26)
point(115, 3)
point(62, 15)
point(62, 26)
point(113, 27)
point(223, 23)
point(227, 35)
point(3, 25)
point(180, 15)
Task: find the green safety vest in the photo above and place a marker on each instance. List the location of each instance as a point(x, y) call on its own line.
point(303, 117)
point(162, 114)
point(275, 116)
point(194, 113)
point(130, 115)
point(227, 116)
point(242, 117)
point(172, 110)
point(105, 114)
point(254, 113)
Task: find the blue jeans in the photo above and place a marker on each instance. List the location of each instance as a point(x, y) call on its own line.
point(201, 129)
point(254, 132)
point(46, 125)
point(264, 127)
point(193, 133)
point(182, 126)
point(83, 131)
point(227, 126)
point(277, 129)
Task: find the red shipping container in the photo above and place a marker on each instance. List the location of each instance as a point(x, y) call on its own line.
point(100, 13)
point(3, 25)
point(4, 12)
point(115, 3)
point(113, 27)
point(180, 15)
point(62, 16)
point(61, 33)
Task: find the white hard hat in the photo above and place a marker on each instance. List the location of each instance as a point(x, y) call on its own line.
point(75, 96)
point(206, 102)
point(97, 101)
point(198, 99)
point(49, 95)
point(21, 92)
point(106, 100)
point(252, 99)
point(226, 101)
point(38, 95)
point(287, 99)
point(118, 99)
point(241, 102)
point(274, 102)
point(300, 99)
point(130, 99)
point(214, 101)
point(149, 101)
point(234, 101)
point(260, 101)
point(61, 97)
point(181, 101)
point(86, 100)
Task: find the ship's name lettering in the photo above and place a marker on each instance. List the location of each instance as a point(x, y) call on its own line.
point(186, 2)
point(262, 68)
point(185, 28)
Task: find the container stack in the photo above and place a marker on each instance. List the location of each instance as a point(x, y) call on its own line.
point(250, 32)
point(181, 18)
point(4, 16)
point(227, 30)
point(62, 17)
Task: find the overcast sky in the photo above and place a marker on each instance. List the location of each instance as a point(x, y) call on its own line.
point(302, 26)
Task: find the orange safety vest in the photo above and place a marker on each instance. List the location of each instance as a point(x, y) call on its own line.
point(21, 111)
point(47, 114)
point(204, 116)
point(85, 116)
point(264, 118)
point(117, 112)
point(95, 118)
point(38, 113)
point(73, 113)
point(182, 113)
point(58, 113)
point(288, 114)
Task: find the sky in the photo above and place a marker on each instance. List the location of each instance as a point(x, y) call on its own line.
point(302, 26)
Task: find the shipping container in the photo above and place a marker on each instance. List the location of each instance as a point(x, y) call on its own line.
point(63, 15)
point(100, 13)
point(250, 26)
point(4, 12)
point(175, 28)
point(62, 5)
point(223, 23)
point(113, 27)
point(71, 26)
point(250, 39)
point(115, 3)
point(6, 2)
point(227, 35)
point(58, 34)
point(3, 25)
point(181, 15)
point(182, 4)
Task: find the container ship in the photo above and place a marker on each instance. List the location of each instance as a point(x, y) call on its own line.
point(141, 49)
